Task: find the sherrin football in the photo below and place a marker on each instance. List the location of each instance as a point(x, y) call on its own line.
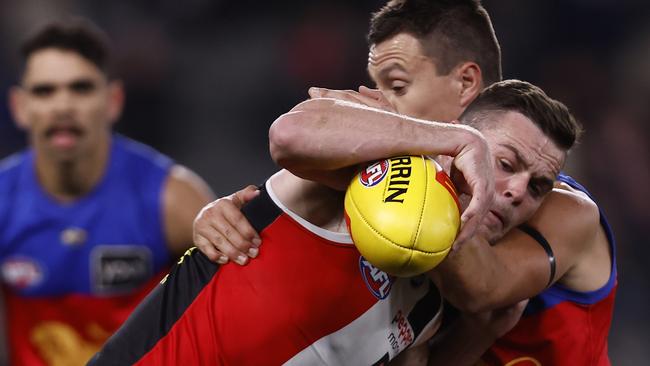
point(403, 214)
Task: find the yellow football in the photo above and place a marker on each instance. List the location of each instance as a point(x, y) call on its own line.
point(403, 214)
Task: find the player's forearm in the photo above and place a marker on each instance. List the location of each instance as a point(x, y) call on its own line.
point(470, 277)
point(462, 343)
point(329, 134)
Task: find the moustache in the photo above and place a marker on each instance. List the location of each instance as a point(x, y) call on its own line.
point(68, 127)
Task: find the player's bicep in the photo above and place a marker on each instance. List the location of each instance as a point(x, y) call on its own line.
point(564, 225)
point(569, 221)
point(185, 193)
point(527, 264)
point(338, 179)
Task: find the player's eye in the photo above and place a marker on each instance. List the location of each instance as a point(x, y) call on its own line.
point(398, 87)
point(42, 90)
point(535, 190)
point(82, 86)
point(506, 166)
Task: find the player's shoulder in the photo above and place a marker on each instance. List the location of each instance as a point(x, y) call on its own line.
point(139, 154)
point(10, 164)
point(572, 204)
point(568, 213)
point(10, 169)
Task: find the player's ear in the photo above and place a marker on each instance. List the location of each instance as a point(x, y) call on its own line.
point(17, 107)
point(471, 82)
point(116, 98)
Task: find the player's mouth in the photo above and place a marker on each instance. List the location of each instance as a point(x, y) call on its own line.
point(63, 136)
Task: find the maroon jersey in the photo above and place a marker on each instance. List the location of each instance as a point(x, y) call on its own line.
point(560, 326)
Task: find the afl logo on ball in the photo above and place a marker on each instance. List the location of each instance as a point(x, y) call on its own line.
point(378, 281)
point(374, 173)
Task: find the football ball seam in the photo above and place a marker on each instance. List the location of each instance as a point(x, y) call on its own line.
point(379, 234)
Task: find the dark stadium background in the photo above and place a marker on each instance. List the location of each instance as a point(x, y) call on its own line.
point(206, 78)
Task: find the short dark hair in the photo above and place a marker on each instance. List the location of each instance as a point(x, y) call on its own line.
point(550, 115)
point(451, 31)
point(77, 35)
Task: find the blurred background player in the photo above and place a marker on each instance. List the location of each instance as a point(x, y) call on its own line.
point(89, 219)
point(315, 140)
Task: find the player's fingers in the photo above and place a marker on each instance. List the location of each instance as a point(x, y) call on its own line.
point(346, 95)
point(379, 97)
point(209, 250)
point(242, 197)
point(222, 244)
point(231, 236)
point(243, 227)
point(475, 212)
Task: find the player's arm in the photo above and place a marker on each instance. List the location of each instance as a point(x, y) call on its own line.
point(324, 135)
point(412, 356)
point(319, 138)
point(479, 277)
point(185, 193)
point(323, 139)
point(468, 336)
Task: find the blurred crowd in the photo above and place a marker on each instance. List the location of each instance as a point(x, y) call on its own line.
point(205, 79)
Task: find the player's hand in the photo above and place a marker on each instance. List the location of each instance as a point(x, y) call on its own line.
point(472, 174)
point(222, 232)
point(365, 96)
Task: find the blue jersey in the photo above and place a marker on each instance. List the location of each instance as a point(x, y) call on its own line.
point(104, 246)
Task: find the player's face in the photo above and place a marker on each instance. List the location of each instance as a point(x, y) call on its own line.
point(65, 104)
point(526, 163)
point(410, 80)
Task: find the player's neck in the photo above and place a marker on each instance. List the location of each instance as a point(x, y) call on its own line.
point(68, 180)
point(316, 203)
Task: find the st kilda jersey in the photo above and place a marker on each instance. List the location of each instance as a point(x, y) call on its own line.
point(562, 327)
point(72, 273)
point(309, 298)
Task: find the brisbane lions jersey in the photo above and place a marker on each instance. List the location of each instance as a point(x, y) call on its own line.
point(561, 326)
point(309, 298)
point(72, 272)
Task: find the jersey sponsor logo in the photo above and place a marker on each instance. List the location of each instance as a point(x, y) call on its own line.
point(374, 174)
point(401, 334)
point(404, 334)
point(120, 268)
point(22, 273)
point(379, 282)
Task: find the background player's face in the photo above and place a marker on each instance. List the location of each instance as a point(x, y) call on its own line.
point(410, 80)
point(526, 163)
point(65, 103)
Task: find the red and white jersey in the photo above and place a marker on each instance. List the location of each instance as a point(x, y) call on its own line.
point(309, 298)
